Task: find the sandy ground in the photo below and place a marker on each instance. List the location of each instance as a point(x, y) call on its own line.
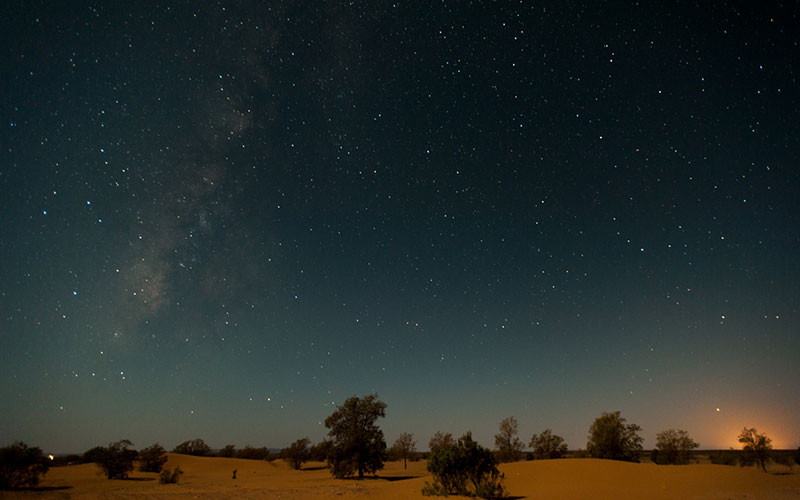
point(207, 478)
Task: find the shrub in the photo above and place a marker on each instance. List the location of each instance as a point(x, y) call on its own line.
point(116, 460)
point(152, 458)
point(441, 441)
point(93, 455)
point(196, 447)
point(251, 453)
point(465, 468)
point(726, 457)
point(547, 445)
point(320, 451)
point(757, 447)
point(673, 447)
point(297, 453)
point(170, 477)
point(228, 451)
point(610, 438)
point(21, 466)
point(797, 456)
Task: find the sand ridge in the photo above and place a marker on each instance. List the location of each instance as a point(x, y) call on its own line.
point(207, 478)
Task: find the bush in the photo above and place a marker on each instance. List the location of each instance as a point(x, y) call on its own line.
point(757, 447)
point(797, 456)
point(116, 461)
point(465, 468)
point(152, 458)
point(21, 466)
point(547, 445)
point(509, 447)
point(610, 438)
point(730, 457)
point(673, 447)
point(93, 455)
point(196, 447)
point(251, 453)
point(320, 451)
point(168, 477)
point(297, 453)
point(228, 451)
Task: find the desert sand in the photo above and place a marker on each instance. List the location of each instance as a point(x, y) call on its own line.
point(207, 478)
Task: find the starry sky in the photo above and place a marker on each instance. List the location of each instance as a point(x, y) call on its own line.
point(222, 219)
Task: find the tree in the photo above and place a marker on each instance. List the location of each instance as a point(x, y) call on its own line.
point(196, 447)
point(404, 447)
point(509, 447)
point(93, 455)
point(116, 460)
point(441, 441)
point(21, 466)
point(673, 447)
point(357, 442)
point(152, 458)
point(297, 453)
point(759, 446)
point(547, 445)
point(464, 468)
point(320, 451)
point(229, 451)
point(251, 453)
point(610, 438)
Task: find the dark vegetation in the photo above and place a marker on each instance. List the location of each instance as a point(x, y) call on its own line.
point(509, 447)
point(757, 447)
point(464, 468)
point(547, 445)
point(170, 477)
point(152, 458)
point(116, 460)
point(297, 453)
point(673, 447)
point(21, 466)
point(251, 453)
point(357, 443)
point(611, 438)
point(196, 447)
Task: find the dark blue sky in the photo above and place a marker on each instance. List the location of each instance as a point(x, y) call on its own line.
point(220, 221)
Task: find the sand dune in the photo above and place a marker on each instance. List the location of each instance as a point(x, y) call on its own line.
point(207, 478)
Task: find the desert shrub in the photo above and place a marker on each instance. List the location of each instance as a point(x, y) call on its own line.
point(465, 468)
point(357, 444)
point(196, 447)
point(297, 453)
point(170, 477)
point(783, 458)
point(509, 447)
point(757, 447)
point(725, 457)
point(228, 451)
point(547, 445)
point(440, 441)
point(673, 447)
point(251, 453)
point(21, 466)
point(93, 455)
point(797, 456)
point(116, 460)
point(152, 458)
point(610, 438)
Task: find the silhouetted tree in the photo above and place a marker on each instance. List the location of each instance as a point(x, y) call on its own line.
point(357, 442)
point(93, 455)
point(509, 447)
point(610, 438)
point(404, 448)
point(21, 466)
point(759, 446)
point(465, 468)
point(196, 447)
point(229, 451)
point(673, 447)
point(547, 445)
point(441, 441)
point(152, 458)
point(116, 460)
point(297, 453)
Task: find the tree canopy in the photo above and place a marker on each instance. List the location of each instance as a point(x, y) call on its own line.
point(21, 466)
point(357, 443)
point(509, 447)
point(673, 447)
point(547, 445)
point(759, 446)
point(611, 438)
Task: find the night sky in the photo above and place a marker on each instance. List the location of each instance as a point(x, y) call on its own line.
point(222, 220)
